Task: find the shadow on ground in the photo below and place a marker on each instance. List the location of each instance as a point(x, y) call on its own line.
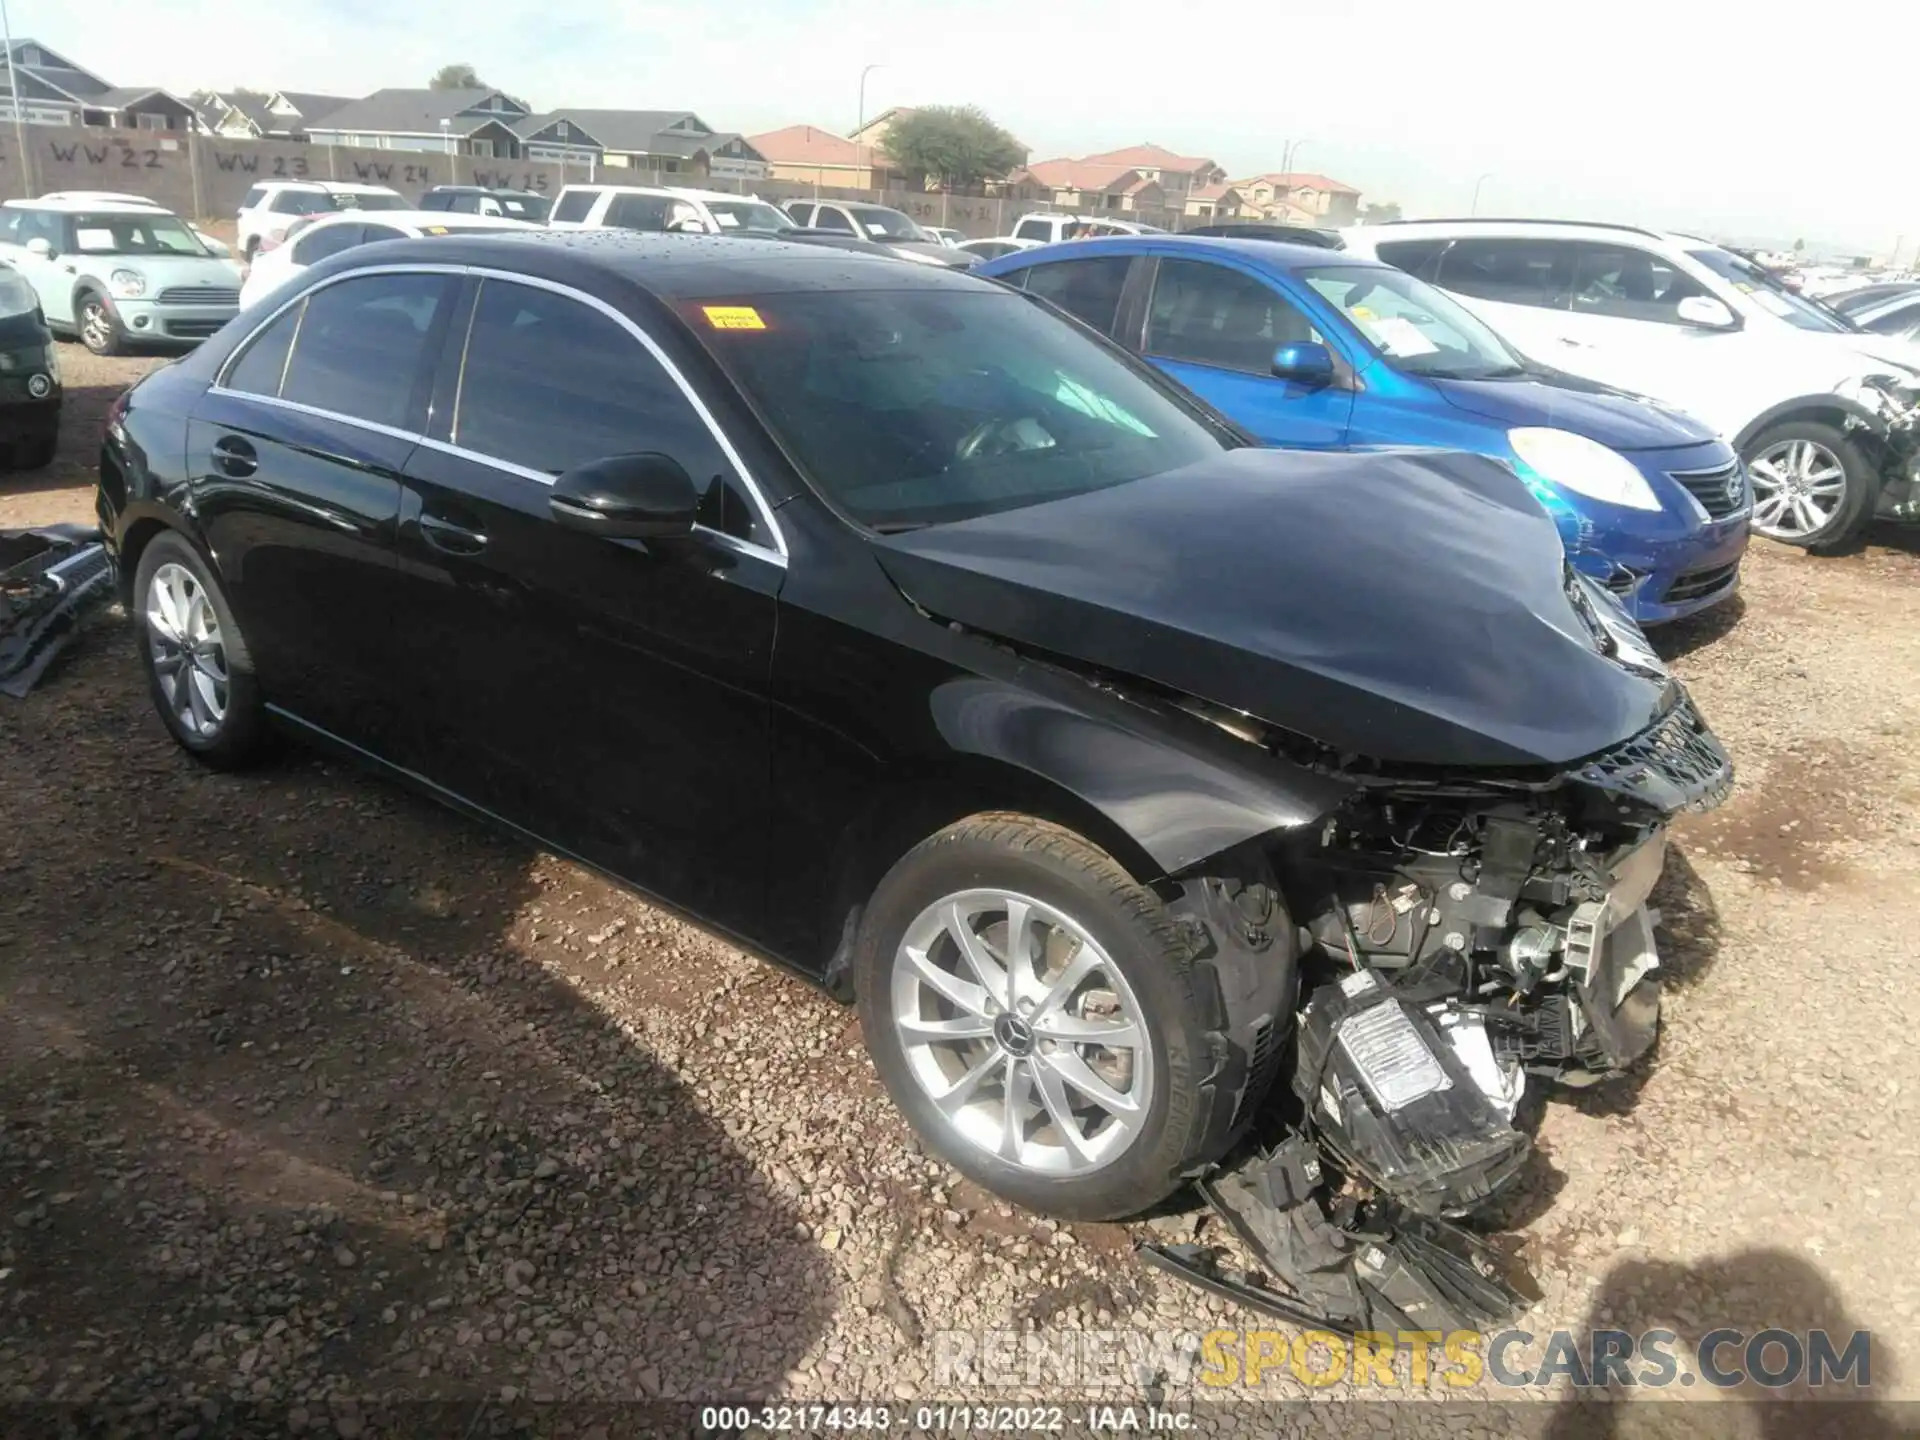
point(288, 1117)
point(1742, 1295)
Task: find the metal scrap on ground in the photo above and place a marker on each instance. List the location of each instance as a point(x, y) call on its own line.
point(48, 578)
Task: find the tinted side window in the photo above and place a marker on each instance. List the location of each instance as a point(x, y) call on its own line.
point(324, 240)
point(574, 204)
point(1627, 283)
point(1416, 257)
point(436, 200)
point(828, 218)
point(802, 213)
point(264, 361)
point(255, 194)
point(1899, 320)
point(550, 383)
point(1087, 288)
point(1215, 316)
point(1513, 272)
point(640, 212)
point(1033, 230)
point(363, 344)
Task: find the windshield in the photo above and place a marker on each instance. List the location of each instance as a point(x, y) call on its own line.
point(916, 407)
point(16, 295)
point(1766, 291)
point(148, 233)
point(524, 207)
point(755, 215)
point(1418, 330)
point(881, 223)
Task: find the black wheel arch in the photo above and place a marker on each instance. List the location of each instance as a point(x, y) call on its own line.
point(1848, 416)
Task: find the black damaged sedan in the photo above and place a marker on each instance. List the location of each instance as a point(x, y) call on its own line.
point(1147, 790)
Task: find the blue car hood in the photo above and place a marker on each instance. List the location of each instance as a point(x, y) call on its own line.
point(1565, 402)
point(1402, 605)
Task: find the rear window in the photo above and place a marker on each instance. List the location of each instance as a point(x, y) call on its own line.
point(1033, 230)
point(574, 204)
point(532, 208)
point(1416, 257)
point(640, 212)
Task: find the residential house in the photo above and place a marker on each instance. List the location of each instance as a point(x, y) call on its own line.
point(1178, 176)
point(666, 141)
point(1216, 202)
point(1093, 187)
point(282, 115)
point(812, 156)
point(873, 133)
point(465, 122)
point(1308, 199)
point(56, 91)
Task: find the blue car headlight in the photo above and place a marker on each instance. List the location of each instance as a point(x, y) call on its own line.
point(1568, 461)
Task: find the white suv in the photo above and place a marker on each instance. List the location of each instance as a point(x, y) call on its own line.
point(1824, 414)
point(664, 207)
point(271, 207)
point(1046, 228)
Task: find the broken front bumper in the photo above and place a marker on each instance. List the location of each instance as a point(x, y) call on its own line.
point(47, 578)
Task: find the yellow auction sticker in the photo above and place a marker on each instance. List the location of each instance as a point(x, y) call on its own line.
point(733, 317)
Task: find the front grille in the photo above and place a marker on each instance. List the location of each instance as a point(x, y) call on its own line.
point(1675, 764)
point(1720, 492)
point(1697, 583)
point(198, 295)
point(193, 329)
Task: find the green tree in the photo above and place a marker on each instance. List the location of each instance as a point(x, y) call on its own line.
point(1380, 213)
point(1799, 246)
point(956, 144)
point(457, 77)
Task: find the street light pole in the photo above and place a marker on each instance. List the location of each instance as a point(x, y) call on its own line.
point(19, 115)
point(861, 122)
point(1474, 208)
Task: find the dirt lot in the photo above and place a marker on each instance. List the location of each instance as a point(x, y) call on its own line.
point(316, 1095)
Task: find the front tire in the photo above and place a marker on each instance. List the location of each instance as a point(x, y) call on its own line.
point(99, 329)
point(199, 671)
point(1813, 486)
point(1032, 1011)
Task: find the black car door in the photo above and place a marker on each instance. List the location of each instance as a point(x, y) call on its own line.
point(609, 695)
point(294, 458)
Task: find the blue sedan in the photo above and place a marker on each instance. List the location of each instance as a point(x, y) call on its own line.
point(1311, 349)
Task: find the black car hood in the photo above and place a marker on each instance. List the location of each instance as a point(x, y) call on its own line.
point(1408, 606)
point(1566, 402)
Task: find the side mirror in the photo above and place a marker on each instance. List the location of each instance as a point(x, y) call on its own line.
point(1304, 363)
point(626, 497)
point(40, 246)
point(1706, 312)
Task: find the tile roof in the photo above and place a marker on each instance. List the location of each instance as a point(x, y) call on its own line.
point(810, 145)
point(1152, 157)
point(415, 112)
point(1301, 180)
point(1082, 175)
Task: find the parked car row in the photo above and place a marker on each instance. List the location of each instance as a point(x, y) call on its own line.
point(1140, 783)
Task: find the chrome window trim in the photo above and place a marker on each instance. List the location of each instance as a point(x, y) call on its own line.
point(778, 552)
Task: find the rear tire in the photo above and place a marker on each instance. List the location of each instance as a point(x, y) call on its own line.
point(199, 671)
point(1813, 485)
point(1136, 991)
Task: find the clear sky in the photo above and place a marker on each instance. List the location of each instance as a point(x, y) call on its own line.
point(1670, 112)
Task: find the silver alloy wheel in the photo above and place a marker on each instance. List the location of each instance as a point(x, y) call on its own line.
point(1798, 487)
point(183, 638)
point(96, 326)
point(1022, 1032)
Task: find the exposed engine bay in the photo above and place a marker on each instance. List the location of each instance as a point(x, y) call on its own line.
point(1456, 946)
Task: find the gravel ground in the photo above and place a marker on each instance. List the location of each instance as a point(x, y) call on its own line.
point(316, 1095)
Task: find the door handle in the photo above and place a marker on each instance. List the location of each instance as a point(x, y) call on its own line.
point(235, 457)
point(450, 537)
